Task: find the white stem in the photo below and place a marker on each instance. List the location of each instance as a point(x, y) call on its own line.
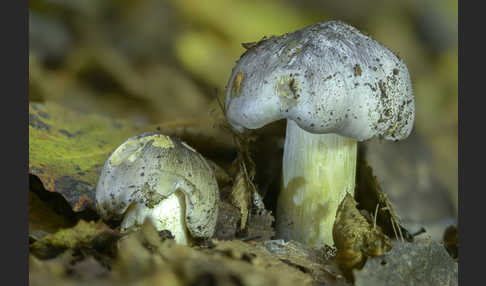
point(169, 214)
point(318, 171)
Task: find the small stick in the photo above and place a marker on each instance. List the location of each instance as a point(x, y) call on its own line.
point(420, 231)
point(376, 215)
point(393, 226)
point(250, 238)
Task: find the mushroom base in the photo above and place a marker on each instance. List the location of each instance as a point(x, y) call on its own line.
point(318, 171)
point(169, 215)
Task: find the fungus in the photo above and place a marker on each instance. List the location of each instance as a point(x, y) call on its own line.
point(326, 81)
point(163, 179)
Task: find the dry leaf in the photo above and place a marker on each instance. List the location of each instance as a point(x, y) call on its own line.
point(356, 238)
point(451, 241)
point(84, 234)
point(372, 199)
point(67, 150)
point(240, 197)
point(227, 223)
point(143, 256)
point(318, 263)
point(43, 219)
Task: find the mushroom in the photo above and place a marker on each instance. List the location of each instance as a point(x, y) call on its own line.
point(161, 178)
point(335, 86)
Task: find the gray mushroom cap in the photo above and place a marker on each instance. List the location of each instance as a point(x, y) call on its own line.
point(150, 167)
point(328, 78)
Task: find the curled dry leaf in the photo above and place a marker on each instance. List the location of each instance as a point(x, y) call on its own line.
point(356, 238)
point(240, 197)
point(243, 189)
point(372, 199)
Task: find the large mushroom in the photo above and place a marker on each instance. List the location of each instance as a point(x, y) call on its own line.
point(163, 179)
point(335, 86)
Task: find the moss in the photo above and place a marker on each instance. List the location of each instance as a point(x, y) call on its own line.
point(69, 164)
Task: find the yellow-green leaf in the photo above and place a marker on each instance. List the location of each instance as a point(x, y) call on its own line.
point(67, 149)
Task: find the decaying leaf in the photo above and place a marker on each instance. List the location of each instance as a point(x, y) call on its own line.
point(67, 149)
point(42, 272)
point(260, 259)
point(372, 199)
point(144, 256)
point(252, 46)
point(84, 234)
point(227, 224)
point(256, 222)
point(451, 241)
point(67, 268)
point(43, 219)
point(422, 262)
point(88, 269)
point(356, 238)
point(319, 263)
point(240, 197)
point(260, 226)
point(243, 172)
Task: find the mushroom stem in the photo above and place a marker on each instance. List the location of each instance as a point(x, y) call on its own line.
point(169, 214)
point(318, 171)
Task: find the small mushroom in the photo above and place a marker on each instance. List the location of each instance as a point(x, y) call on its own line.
point(335, 86)
point(161, 178)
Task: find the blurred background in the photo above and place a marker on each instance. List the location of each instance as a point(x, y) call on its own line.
point(159, 61)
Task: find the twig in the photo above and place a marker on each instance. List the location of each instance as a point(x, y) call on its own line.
point(376, 215)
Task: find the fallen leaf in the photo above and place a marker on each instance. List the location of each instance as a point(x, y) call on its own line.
point(260, 226)
point(318, 262)
point(240, 197)
point(260, 220)
point(84, 234)
point(227, 223)
point(43, 219)
point(372, 199)
point(356, 238)
point(67, 149)
point(144, 256)
point(42, 271)
point(451, 241)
